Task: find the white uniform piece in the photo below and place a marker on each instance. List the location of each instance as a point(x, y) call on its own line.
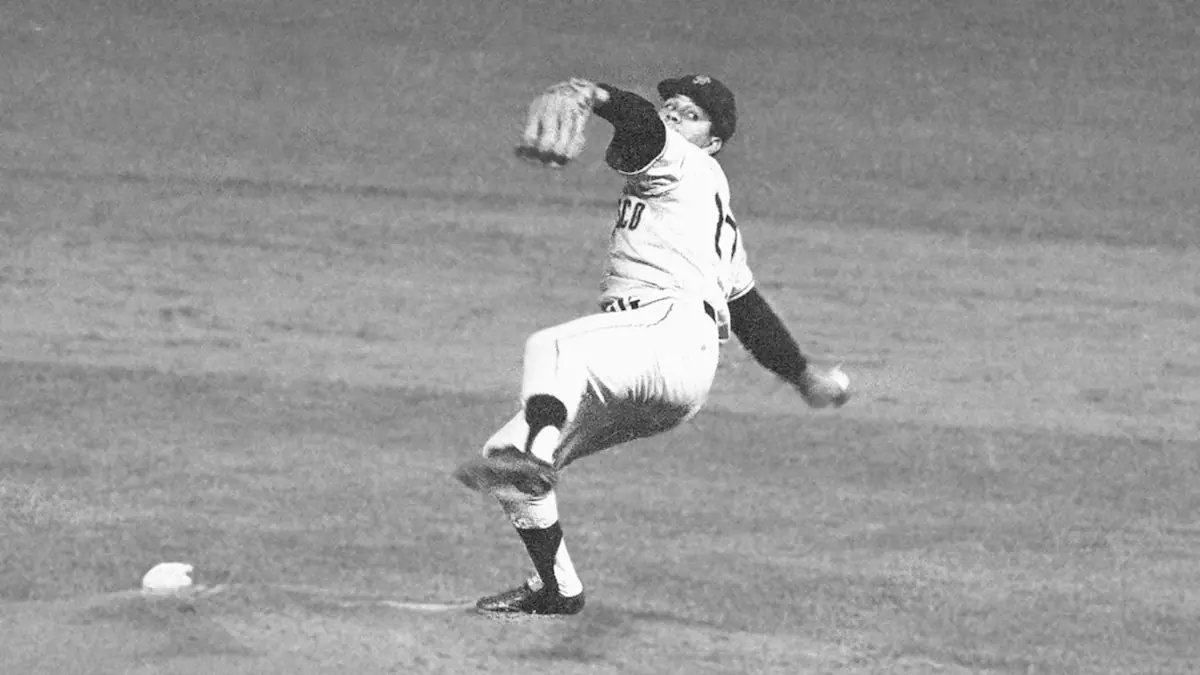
point(646, 363)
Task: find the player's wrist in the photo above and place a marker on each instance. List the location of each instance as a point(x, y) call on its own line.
point(585, 91)
point(802, 381)
point(799, 375)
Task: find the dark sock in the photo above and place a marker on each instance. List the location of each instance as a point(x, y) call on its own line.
point(541, 411)
point(542, 545)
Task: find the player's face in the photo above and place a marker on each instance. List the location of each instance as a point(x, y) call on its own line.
point(688, 119)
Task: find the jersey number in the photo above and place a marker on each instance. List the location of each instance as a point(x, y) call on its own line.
point(629, 214)
point(725, 222)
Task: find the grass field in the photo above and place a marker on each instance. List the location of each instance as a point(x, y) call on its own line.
point(267, 266)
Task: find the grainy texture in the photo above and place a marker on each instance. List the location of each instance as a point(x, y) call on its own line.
point(266, 269)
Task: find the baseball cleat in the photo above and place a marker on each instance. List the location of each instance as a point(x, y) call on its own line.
point(525, 600)
point(508, 468)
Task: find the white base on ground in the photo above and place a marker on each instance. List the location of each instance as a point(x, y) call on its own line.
point(168, 577)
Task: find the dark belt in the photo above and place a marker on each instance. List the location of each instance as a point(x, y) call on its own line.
point(624, 304)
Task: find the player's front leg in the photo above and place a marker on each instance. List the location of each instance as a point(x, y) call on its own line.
point(532, 508)
point(518, 468)
point(524, 486)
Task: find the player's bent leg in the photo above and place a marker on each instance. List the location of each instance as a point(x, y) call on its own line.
point(553, 383)
point(589, 384)
point(604, 353)
point(551, 368)
point(643, 379)
point(532, 508)
point(555, 587)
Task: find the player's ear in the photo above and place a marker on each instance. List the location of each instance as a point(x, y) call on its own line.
point(714, 145)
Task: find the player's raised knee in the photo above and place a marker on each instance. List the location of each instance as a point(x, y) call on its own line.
point(544, 410)
point(541, 343)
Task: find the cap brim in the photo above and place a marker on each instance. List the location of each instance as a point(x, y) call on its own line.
point(669, 88)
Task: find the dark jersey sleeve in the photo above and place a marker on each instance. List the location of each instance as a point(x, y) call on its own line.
point(639, 136)
point(763, 334)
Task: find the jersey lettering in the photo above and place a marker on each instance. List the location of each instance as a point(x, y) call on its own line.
point(629, 213)
point(664, 242)
point(725, 222)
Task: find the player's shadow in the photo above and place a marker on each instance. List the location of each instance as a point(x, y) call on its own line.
point(600, 632)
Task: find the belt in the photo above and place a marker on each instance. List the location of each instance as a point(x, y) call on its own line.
point(625, 304)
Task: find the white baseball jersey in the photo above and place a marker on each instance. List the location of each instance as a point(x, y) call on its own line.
point(675, 234)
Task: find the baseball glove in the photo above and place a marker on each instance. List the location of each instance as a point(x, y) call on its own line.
point(555, 123)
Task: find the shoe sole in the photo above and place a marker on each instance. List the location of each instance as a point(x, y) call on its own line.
point(491, 474)
point(508, 606)
point(511, 615)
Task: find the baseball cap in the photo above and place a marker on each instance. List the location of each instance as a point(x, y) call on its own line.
point(710, 94)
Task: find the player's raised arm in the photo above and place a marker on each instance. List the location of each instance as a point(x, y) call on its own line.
point(555, 122)
point(763, 334)
point(639, 135)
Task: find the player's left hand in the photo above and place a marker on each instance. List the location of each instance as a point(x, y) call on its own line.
point(555, 122)
point(823, 389)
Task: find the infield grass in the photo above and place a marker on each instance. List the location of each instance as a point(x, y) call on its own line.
point(266, 269)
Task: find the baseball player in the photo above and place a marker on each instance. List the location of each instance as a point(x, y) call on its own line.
point(676, 285)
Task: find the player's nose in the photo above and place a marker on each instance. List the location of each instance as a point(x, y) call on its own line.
point(669, 116)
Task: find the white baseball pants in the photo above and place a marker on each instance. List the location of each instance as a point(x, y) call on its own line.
point(623, 374)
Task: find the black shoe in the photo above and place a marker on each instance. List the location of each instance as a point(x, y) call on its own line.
point(508, 467)
point(525, 600)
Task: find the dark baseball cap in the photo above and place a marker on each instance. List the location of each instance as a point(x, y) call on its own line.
point(710, 94)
